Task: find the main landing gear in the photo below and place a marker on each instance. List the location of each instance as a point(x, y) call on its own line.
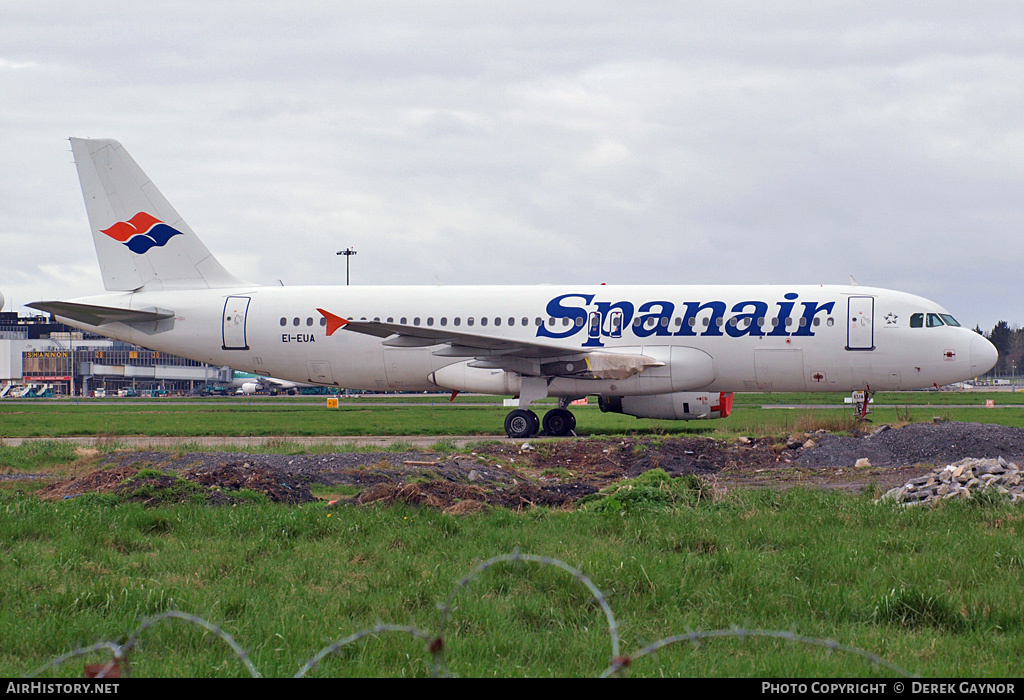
point(523, 423)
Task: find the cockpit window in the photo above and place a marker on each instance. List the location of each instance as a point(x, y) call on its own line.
point(917, 321)
point(950, 321)
point(934, 320)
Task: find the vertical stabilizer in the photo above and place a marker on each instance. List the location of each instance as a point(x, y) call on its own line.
point(140, 239)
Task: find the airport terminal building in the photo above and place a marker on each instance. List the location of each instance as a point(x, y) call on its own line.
point(39, 356)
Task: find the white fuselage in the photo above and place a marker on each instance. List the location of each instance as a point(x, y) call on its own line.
point(755, 338)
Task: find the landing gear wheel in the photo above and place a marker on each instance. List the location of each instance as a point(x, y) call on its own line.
point(559, 422)
point(521, 424)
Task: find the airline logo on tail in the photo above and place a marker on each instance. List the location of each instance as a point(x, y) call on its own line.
point(142, 232)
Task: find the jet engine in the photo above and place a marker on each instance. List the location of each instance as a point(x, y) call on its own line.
point(681, 405)
point(250, 388)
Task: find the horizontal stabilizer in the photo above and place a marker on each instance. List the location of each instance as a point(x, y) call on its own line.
point(100, 315)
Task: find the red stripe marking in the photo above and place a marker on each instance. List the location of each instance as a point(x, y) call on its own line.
point(333, 322)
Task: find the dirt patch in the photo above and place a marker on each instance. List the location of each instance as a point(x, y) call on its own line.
point(233, 476)
point(102, 481)
point(212, 486)
point(557, 473)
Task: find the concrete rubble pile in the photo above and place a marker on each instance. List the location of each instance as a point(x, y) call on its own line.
point(962, 480)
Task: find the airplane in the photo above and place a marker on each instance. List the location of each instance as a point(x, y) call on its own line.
point(250, 383)
point(660, 351)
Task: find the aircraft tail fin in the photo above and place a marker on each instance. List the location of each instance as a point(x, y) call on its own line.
point(141, 241)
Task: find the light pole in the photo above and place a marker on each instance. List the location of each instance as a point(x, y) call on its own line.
point(348, 253)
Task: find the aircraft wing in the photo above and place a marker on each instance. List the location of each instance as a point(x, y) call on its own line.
point(279, 383)
point(100, 315)
point(522, 356)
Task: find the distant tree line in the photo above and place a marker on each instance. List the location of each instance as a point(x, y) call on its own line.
point(1009, 341)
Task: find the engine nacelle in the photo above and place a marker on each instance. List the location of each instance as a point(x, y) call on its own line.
point(681, 405)
point(250, 388)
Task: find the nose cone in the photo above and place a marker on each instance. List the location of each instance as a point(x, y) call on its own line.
point(983, 355)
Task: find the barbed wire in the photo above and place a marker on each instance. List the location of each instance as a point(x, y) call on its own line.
point(435, 644)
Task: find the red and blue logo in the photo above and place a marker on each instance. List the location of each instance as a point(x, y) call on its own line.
point(142, 232)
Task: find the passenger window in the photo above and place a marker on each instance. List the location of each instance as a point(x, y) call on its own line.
point(284, 321)
point(483, 321)
point(295, 321)
point(917, 320)
point(457, 321)
point(416, 321)
point(934, 320)
point(444, 320)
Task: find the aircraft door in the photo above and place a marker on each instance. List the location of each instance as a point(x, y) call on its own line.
point(319, 372)
point(236, 309)
point(860, 328)
point(779, 369)
point(595, 324)
point(616, 324)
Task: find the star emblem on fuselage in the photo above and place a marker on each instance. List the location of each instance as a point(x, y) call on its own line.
point(891, 318)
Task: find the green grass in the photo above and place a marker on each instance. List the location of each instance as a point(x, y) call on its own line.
point(887, 398)
point(287, 417)
point(934, 591)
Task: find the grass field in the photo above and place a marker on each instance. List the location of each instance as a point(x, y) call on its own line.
point(933, 591)
point(936, 591)
point(287, 416)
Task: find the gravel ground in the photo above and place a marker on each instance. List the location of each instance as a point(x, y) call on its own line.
point(918, 443)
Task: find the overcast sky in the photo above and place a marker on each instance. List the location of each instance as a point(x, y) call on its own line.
point(533, 142)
